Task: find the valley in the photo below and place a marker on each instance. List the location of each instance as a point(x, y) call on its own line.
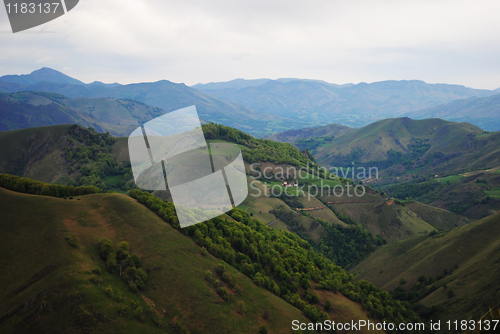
point(385, 219)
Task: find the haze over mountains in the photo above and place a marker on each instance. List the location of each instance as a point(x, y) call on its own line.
point(164, 94)
point(352, 105)
point(263, 106)
point(481, 111)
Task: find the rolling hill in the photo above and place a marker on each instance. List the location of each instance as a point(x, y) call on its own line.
point(48, 285)
point(431, 146)
point(351, 105)
point(463, 261)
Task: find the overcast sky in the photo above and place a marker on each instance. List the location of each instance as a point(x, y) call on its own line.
point(456, 42)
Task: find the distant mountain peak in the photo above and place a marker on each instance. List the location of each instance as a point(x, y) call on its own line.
point(44, 74)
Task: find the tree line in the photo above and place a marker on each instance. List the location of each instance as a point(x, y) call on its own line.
point(28, 186)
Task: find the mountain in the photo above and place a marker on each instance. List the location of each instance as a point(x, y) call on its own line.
point(34, 109)
point(433, 145)
point(483, 112)
point(166, 95)
point(352, 105)
point(456, 271)
point(291, 136)
point(44, 74)
point(243, 83)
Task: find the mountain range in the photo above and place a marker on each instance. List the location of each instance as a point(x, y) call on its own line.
point(352, 105)
point(264, 106)
point(163, 94)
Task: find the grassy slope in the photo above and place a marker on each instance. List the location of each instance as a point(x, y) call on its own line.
point(34, 152)
point(470, 253)
point(37, 258)
point(439, 218)
point(291, 136)
point(392, 221)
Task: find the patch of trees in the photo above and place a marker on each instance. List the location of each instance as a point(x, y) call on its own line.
point(260, 150)
point(120, 261)
point(342, 216)
point(28, 186)
point(457, 200)
point(345, 246)
point(280, 262)
point(426, 192)
point(90, 153)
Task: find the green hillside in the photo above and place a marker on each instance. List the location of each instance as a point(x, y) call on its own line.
point(301, 135)
point(463, 260)
point(45, 277)
point(373, 142)
point(67, 154)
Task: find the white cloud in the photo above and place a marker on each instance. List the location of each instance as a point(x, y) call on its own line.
point(451, 41)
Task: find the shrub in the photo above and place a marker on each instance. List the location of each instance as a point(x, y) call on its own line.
point(328, 305)
point(123, 309)
point(139, 313)
point(109, 291)
point(106, 248)
point(137, 260)
point(241, 307)
point(203, 251)
point(226, 277)
point(132, 286)
point(96, 270)
point(262, 330)
point(122, 251)
point(219, 269)
point(72, 239)
point(111, 262)
point(222, 292)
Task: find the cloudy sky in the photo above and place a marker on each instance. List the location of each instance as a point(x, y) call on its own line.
point(127, 41)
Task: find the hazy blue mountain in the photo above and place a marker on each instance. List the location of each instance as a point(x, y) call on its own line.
point(44, 74)
point(352, 105)
point(35, 109)
point(99, 83)
point(170, 96)
point(480, 111)
point(233, 84)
